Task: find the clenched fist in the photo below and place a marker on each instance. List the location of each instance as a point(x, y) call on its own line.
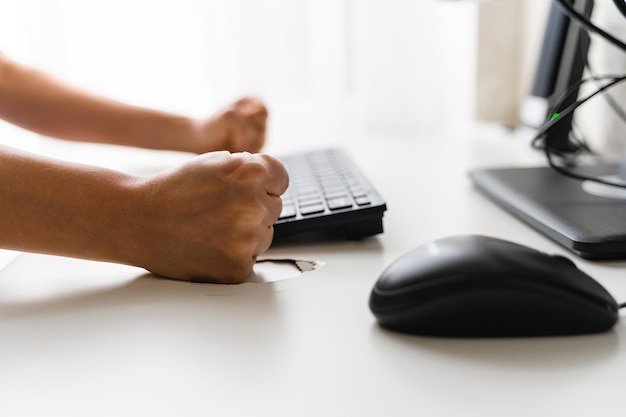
point(209, 219)
point(239, 126)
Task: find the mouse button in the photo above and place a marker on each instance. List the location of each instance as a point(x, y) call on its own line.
point(417, 266)
point(420, 293)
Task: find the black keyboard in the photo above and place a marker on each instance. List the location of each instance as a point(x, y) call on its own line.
point(327, 192)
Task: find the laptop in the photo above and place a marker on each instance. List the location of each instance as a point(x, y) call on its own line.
point(328, 194)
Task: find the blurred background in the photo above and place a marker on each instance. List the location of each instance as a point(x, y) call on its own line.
point(394, 66)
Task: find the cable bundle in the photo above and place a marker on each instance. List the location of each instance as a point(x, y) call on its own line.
point(556, 114)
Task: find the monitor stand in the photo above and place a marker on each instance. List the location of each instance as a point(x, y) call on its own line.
point(587, 218)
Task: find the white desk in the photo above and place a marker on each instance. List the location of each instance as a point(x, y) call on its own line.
point(81, 338)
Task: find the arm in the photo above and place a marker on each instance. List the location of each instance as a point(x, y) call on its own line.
point(37, 102)
point(206, 220)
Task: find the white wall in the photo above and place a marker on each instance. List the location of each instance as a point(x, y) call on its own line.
point(394, 65)
point(509, 38)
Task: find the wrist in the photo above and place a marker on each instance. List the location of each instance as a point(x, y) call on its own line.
point(164, 131)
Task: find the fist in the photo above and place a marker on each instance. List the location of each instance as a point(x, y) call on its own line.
point(210, 218)
point(238, 127)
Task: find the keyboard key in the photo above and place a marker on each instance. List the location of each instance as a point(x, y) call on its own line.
point(357, 191)
point(327, 191)
point(339, 203)
point(330, 194)
point(289, 211)
point(312, 209)
point(309, 200)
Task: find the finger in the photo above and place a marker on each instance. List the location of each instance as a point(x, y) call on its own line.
point(278, 178)
point(254, 119)
point(265, 241)
point(240, 138)
point(252, 106)
point(274, 206)
point(256, 138)
point(253, 138)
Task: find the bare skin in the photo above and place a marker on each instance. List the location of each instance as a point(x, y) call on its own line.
point(206, 220)
point(35, 101)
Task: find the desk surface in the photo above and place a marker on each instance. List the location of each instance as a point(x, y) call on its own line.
point(87, 338)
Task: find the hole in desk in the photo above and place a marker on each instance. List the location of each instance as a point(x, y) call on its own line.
point(271, 270)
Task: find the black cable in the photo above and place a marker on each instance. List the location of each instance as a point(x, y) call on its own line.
point(572, 89)
point(555, 120)
point(620, 306)
point(588, 25)
point(615, 106)
point(539, 136)
point(557, 115)
point(576, 176)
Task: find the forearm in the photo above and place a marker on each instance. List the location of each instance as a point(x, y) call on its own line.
point(53, 207)
point(37, 102)
point(206, 220)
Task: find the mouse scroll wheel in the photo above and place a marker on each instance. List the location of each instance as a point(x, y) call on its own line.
point(564, 260)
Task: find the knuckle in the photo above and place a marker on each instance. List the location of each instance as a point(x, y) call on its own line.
point(252, 169)
point(276, 166)
point(229, 114)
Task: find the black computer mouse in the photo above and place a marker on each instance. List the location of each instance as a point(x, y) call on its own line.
point(478, 286)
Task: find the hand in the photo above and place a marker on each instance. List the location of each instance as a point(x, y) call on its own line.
point(37, 102)
point(238, 127)
point(209, 219)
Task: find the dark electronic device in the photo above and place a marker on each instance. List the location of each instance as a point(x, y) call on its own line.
point(328, 194)
point(477, 286)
